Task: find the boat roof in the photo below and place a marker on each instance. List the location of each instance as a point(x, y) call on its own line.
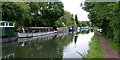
point(38, 27)
point(7, 21)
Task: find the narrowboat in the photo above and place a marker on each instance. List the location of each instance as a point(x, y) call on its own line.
point(35, 31)
point(7, 32)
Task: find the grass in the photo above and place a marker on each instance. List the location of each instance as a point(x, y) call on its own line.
point(94, 50)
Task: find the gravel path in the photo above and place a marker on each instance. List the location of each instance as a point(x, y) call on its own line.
point(107, 50)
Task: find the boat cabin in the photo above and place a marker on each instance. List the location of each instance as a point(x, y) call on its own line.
point(6, 24)
point(35, 29)
point(6, 28)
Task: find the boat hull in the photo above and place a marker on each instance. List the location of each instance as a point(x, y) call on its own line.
point(24, 35)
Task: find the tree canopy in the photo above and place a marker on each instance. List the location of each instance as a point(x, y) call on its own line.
point(66, 20)
point(32, 13)
point(105, 16)
point(17, 12)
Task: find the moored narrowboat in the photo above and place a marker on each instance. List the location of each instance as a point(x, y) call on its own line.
point(35, 31)
point(7, 32)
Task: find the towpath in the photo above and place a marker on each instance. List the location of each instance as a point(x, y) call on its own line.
point(106, 49)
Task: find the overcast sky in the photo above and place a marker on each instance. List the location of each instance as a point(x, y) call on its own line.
point(73, 6)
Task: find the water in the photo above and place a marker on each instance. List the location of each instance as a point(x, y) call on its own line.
point(50, 46)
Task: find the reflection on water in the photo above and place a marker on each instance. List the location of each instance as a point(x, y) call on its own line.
point(79, 44)
point(49, 46)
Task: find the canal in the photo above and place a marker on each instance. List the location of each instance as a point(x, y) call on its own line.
point(67, 45)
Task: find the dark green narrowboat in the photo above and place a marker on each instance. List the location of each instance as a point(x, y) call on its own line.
point(7, 32)
point(6, 28)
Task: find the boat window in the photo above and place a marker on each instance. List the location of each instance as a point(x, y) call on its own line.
point(41, 30)
point(10, 24)
point(2, 24)
point(6, 24)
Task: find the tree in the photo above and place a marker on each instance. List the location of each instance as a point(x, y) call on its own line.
point(105, 16)
point(66, 20)
point(76, 20)
point(84, 23)
point(17, 12)
point(46, 12)
point(32, 13)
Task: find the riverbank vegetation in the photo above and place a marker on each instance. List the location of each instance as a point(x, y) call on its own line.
point(37, 14)
point(105, 15)
point(94, 49)
point(32, 13)
point(66, 20)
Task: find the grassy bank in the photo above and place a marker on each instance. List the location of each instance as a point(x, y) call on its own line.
point(94, 51)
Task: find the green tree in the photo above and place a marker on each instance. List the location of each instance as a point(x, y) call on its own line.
point(76, 20)
point(46, 12)
point(17, 12)
point(105, 16)
point(32, 13)
point(66, 20)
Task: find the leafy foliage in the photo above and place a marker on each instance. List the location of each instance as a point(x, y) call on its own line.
point(46, 13)
point(66, 20)
point(17, 12)
point(32, 13)
point(84, 23)
point(105, 16)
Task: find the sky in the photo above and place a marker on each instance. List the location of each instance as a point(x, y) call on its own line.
point(73, 6)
